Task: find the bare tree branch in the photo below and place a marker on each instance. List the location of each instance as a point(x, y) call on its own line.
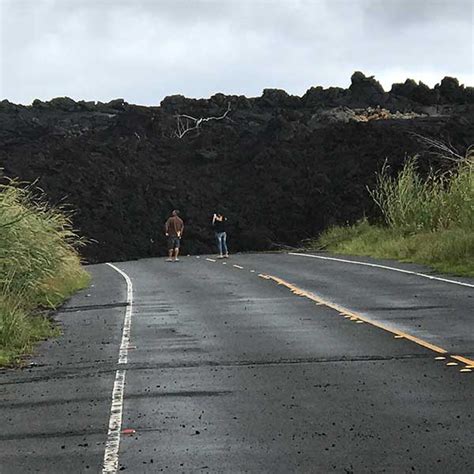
point(439, 149)
point(186, 123)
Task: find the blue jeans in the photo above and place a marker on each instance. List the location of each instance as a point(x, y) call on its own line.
point(222, 242)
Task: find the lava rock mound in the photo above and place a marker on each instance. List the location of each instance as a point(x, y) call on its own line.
point(281, 167)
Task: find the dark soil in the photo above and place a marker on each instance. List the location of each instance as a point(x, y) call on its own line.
point(278, 166)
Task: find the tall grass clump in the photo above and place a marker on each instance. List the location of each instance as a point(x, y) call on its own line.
point(426, 219)
point(39, 267)
point(410, 203)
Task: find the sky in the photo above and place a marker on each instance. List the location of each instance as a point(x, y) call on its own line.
point(144, 50)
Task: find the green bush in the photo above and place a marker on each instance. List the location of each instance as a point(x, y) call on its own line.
point(39, 267)
point(427, 220)
point(410, 203)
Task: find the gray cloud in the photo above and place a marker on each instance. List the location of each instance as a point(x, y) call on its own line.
point(402, 13)
point(142, 50)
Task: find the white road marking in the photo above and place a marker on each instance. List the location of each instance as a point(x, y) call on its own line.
point(110, 464)
point(238, 266)
point(112, 444)
point(385, 267)
point(210, 259)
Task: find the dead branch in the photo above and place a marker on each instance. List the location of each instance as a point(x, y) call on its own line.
point(186, 123)
point(439, 149)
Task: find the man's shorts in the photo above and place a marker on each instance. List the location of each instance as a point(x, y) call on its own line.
point(173, 243)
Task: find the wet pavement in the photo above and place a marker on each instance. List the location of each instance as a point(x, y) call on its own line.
point(230, 372)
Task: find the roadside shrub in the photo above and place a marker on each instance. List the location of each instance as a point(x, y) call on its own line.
point(39, 266)
point(410, 203)
point(427, 220)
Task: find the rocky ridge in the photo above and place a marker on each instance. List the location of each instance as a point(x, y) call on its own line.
point(282, 167)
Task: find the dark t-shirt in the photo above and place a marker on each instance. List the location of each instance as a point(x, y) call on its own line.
point(174, 225)
point(219, 226)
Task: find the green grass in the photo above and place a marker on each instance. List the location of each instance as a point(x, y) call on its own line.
point(426, 220)
point(447, 251)
point(39, 268)
point(410, 203)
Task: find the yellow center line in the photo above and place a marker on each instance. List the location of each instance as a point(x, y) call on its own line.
point(359, 318)
point(464, 360)
point(423, 343)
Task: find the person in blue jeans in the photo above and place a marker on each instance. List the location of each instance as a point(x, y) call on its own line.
point(219, 224)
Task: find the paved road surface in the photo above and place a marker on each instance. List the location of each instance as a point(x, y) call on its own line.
point(262, 363)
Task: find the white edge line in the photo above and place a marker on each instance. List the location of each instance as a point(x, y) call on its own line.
point(112, 444)
point(385, 267)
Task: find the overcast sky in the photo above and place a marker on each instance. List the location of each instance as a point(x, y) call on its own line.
point(143, 50)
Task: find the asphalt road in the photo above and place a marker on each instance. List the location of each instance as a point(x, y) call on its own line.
point(261, 363)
